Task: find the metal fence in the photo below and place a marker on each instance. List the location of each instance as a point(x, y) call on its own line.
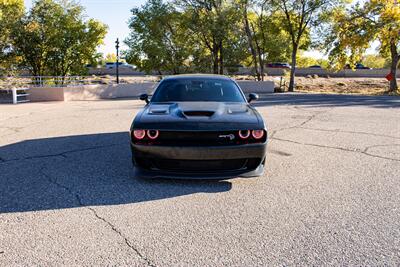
point(11, 82)
point(51, 81)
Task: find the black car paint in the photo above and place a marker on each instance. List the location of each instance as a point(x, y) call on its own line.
point(223, 116)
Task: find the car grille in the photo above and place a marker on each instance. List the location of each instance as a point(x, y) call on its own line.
point(181, 138)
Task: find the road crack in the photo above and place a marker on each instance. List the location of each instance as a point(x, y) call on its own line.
point(127, 242)
point(79, 201)
point(337, 148)
point(369, 147)
point(309, 119)
point(313, 116)
point(351, 132)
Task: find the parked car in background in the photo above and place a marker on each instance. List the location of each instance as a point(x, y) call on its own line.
point(113, 65)
point(358, 66)
point(279, 65)
point(315, 67)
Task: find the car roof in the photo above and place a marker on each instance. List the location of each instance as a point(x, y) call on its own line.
point(196, 76)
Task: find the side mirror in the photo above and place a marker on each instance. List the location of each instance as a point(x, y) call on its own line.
point(144, 97)
point(253, 97)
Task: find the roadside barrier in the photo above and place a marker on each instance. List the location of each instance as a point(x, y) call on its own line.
point(20, 93)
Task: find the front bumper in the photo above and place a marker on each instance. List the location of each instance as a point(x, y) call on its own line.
point(254, 153)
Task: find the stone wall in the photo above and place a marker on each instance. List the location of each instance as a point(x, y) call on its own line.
point(39, 94)
point(114, 91)
point(257, 87)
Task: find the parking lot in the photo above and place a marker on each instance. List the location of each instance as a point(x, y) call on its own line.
point(330, 194)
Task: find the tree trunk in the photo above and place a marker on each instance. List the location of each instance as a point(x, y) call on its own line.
point(250, 41)
point(260, 60)
point(293, 69)
point(215, 59)
point(393, 67)
point(221, 59)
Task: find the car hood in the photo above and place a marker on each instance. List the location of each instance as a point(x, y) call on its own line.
point(205, 116)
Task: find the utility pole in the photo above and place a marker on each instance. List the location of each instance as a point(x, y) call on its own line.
point(117, 47)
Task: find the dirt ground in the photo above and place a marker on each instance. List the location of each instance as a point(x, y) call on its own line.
point(367, 86)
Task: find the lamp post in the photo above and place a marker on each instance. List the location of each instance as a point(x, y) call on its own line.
point(117, 47)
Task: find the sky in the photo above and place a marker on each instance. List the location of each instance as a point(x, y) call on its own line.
point(114, 13)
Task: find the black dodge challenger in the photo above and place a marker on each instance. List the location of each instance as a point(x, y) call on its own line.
point(198, 127)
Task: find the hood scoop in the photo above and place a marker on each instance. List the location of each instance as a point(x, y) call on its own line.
point(159, 109)
point(198, 113)
point(237, 111)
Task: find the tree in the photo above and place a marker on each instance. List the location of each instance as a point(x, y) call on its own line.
point(54, 39)
point(353, 31)
point(385, 16)
point(157, 40)
point(252, 41)
point(110, 57)
point(301, 15)
point(215, 25)
point(10, 12)
point(186, 35)
point(267, 40)
point(304, 61)
point(375, 61)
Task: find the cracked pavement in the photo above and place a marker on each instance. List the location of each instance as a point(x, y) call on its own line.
point(330, 194)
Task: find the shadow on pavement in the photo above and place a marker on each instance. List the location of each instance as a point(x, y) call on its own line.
point(85, 170)
point(328, 100)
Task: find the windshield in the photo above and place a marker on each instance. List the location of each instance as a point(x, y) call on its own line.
point(197, 89)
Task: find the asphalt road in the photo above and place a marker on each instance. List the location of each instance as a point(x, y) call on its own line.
point(330, 194)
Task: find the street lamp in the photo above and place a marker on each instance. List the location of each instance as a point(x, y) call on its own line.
point(117, 47)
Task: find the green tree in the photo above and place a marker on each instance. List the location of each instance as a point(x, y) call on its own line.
point(215, 29)
point(110, 57)
point(266, 38)
point(375, 61)
point(305, 62)
point(10, 12)
point(206, 36)
point(353, 31)
point(252, 41)
point(55, 39)
point(301, 15)
point(158, 40)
